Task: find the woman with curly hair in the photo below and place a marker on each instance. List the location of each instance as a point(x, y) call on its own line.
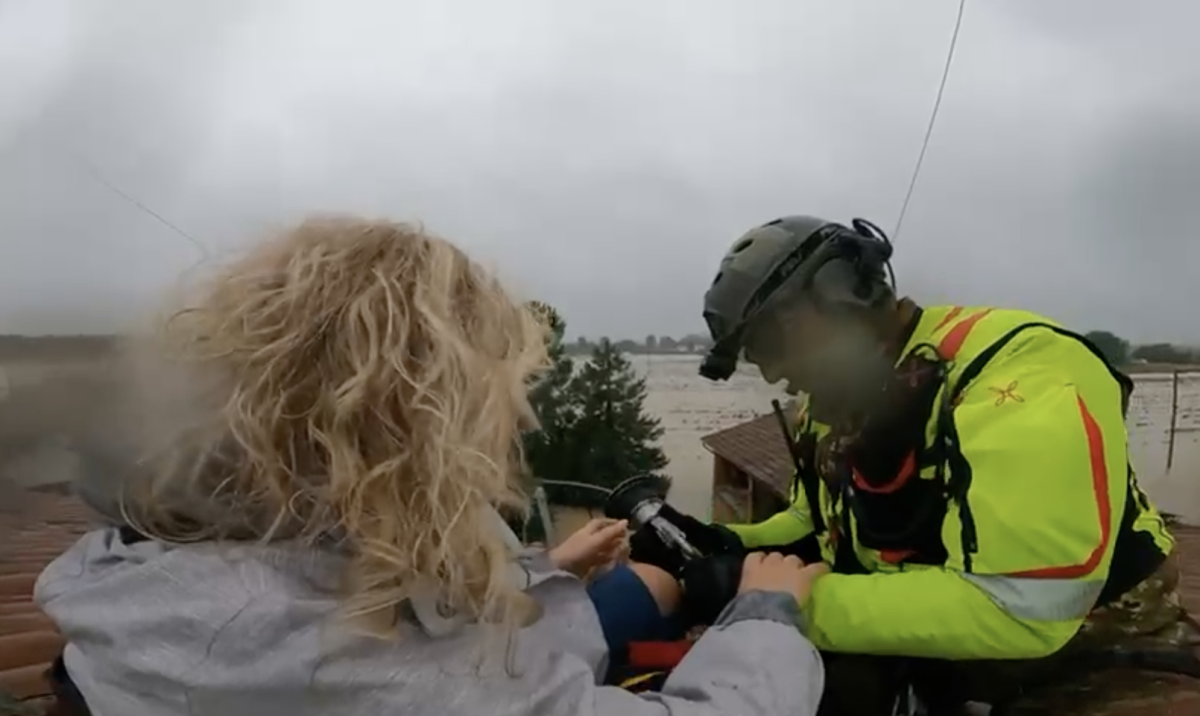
point(327, 433)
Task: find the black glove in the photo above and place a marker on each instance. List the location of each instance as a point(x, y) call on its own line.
point(646, 546)
point(709, 584)
point(708, 538)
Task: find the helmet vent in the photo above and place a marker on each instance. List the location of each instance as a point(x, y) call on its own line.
point(773, 223)
point(741, 246)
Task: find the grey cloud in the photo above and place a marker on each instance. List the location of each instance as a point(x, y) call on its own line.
point(604, 155)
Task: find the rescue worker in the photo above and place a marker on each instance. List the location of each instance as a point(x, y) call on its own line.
point(965, 471)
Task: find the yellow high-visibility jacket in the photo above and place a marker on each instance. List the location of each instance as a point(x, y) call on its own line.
point(1040, 423)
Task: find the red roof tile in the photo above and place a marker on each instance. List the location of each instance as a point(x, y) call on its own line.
point(39, 529)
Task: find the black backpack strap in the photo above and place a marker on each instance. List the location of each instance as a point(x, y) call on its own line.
point(845, 559)
point(808, 479)
point(802, 448)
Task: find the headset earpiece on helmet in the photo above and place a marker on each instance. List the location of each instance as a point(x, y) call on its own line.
point(857, 269)
point(883, 246)
point(834, 264)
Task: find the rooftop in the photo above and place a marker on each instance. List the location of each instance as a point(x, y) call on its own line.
point(35, 527)
point(44, 525)
point(756, 447)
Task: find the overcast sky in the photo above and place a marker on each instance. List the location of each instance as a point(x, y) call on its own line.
point(604, 154)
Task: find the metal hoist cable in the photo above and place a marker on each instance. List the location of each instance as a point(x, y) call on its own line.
point(933, 115)
point(97, 176)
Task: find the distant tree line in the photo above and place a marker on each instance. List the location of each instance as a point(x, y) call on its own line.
point(651, 344)
point(16, 347)
point(1121, 352)
point(1118, 350)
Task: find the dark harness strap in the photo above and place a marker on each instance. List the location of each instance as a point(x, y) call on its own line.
point(67, 699)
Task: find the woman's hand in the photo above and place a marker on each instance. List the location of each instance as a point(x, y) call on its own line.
point(597, 544)
point(775, 573)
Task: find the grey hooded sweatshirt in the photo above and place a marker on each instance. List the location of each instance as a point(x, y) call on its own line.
point(248, 630)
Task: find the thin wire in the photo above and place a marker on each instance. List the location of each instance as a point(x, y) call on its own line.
point(92, 171)
point(933, 115)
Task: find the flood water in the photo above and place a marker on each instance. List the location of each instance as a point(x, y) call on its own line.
point(691, 407)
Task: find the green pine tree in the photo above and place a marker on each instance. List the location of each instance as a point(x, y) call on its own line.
point(613, 438)
point(545, 448)
point(593, 426)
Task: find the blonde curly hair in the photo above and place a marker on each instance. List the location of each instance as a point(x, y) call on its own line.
point(350, 383)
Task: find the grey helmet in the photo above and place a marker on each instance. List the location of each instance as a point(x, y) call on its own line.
point(839, 265)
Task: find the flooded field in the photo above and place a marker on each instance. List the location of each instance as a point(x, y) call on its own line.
point(691, 407)
point(1164, 435)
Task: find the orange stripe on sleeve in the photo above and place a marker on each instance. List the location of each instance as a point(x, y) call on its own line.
point(953, 341)
point(954, 313)
point(1095, 440)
